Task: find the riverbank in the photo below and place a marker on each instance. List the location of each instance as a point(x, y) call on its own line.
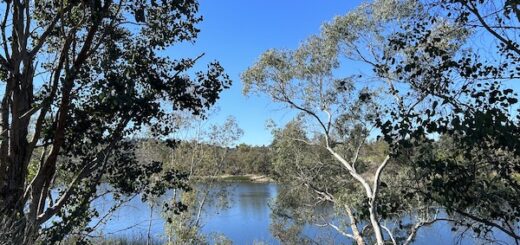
point(256, 178)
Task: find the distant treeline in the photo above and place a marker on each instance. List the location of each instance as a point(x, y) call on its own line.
point(202, 159)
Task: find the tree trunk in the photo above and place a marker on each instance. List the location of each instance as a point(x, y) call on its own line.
point(370, 193)
point(353, 225)
point(375, 224)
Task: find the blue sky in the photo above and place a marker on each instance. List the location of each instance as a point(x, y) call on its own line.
point(237, 32)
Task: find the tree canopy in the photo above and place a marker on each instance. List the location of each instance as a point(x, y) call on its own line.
point(434, 97)
point(81, 77)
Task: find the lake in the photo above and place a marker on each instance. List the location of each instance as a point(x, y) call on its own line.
point(246, 220)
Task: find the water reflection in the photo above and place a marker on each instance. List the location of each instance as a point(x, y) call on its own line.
point(248, 217)
point(246, 220)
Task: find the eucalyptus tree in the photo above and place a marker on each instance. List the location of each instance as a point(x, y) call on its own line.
point(316, 190)
point(203, 154)
point(424, 65)
point(81, 77)
point(465, 98)
point(444, 83)
point(310, 179)
point(334, 107)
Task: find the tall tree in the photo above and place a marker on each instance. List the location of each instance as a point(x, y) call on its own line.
point(426, 67)
point(80, 78)
point(463, 96)
point(304, 80)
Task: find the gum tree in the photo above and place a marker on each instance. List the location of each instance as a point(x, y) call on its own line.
point(303, 80)
point(203, 154)
point(422, 66)
point(464, 96)
point(81, 77)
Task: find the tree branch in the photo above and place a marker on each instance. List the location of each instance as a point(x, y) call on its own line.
point(506, 42)
point(49, 29)
point(389, 234)
point(377, 178)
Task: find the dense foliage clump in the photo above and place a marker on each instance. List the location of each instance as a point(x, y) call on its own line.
point(80, 79)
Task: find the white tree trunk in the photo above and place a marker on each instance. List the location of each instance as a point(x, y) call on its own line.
point(371, 194)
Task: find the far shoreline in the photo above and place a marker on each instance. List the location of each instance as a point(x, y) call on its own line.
point(254, 178)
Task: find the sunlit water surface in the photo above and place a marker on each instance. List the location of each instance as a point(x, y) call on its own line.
point(246, 220)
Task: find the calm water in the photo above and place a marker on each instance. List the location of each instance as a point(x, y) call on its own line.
point(246, 220)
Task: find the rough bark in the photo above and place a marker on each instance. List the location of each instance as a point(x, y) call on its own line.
point(17, 108)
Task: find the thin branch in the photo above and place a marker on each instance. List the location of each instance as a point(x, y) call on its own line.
point(3, 26)
point(508, 43)
point(48, 31)
point(377, 178)
point(311, 113)
point(341, 231)
point(389, 234)
point(417, 226)
point(356, 154)
point(489, 223)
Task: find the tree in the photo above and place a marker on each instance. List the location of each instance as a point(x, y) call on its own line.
point(424, 62)
point(246, 159)
point(80, 78)
point(499, 19)
point(310, 179)
point(304, 80)
point(464, 99)
point(442, 83)
point(204, 156)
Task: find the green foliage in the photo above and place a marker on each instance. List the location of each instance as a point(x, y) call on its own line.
point(113, 240)
point(470, 170)
point(245, 159)
point(203, 154)
point(427, 69)
point(101, 80)
point(314, 188)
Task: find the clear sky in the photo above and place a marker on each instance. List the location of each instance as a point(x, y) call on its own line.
point(236, 33)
